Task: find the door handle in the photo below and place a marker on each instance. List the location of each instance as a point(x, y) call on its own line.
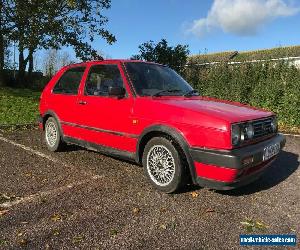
point(82, 102)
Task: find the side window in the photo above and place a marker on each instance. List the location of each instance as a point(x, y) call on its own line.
point(69, 82)
point(101, 77)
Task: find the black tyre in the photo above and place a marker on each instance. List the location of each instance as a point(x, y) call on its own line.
point(163, 165)
point(53, 137)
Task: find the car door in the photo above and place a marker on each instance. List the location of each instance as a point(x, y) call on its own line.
point(64, 97)
point(104, 119)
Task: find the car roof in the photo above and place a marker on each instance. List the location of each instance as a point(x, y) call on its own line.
point(108, 61)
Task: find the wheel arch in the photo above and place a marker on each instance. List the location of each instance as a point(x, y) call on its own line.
point(51, 113)
point(173, 135)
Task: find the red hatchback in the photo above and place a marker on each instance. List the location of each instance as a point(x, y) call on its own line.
point(147, 113)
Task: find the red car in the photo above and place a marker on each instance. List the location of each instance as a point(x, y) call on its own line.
point(147, 113)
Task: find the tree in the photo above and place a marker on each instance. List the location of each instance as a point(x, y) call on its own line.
point(4, 29)
point(54, 60)
point(50, 63)
point(1, 46)
point(44, 24)
point(174, 57)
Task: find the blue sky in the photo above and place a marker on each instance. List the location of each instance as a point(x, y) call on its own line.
point(262, 24)
point(206, 26)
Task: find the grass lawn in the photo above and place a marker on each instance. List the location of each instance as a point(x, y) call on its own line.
point(18, 106)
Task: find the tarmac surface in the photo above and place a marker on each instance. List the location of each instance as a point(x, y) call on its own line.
point(79, 199)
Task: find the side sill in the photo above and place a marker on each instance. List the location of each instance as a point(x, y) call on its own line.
point(100, 148)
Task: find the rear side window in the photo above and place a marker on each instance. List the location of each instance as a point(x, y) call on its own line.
point(101, 77)
point(69, 82)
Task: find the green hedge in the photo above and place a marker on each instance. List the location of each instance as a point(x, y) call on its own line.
point(272, 86)
point(247, 55)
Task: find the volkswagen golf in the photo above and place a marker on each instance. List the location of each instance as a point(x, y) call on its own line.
point(149, 114)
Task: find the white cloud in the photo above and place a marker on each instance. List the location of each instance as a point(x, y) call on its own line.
point(241, 17)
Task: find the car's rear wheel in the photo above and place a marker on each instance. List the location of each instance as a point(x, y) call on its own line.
point(52, 135)
point(163, 165)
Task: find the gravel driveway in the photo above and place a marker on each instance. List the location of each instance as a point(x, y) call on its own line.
point(79, 199)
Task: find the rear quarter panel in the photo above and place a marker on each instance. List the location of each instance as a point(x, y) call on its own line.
point(46, 93)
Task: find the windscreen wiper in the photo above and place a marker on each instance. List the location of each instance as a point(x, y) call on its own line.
point(160, 93)
point(191, 93)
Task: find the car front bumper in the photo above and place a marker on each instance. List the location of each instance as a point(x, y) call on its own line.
point(228, 169)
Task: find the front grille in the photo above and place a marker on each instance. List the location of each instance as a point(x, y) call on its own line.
point(262, 127)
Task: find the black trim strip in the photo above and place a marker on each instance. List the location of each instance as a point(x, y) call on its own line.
point(100, 148)
point(123, 66)
point(101, 130)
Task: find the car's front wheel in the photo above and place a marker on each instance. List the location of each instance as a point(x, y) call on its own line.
point(163, 165)
point(53, 135)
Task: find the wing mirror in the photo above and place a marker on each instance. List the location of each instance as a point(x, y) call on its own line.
point(116, 91)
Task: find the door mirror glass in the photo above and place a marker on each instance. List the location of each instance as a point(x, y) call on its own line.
point(116, 91)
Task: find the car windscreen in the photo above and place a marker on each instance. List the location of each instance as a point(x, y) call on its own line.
point(149, 79)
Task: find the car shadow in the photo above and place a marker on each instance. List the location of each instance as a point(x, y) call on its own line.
point(188, 188)
point(71, 148)
point(284, 166)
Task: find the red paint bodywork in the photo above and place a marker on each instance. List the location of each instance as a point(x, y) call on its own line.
point(224, 174)
point(203, 122)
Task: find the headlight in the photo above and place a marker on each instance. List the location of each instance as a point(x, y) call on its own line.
point(241, 132)
point(249, 131)
point(235, 134)
point(274, 125)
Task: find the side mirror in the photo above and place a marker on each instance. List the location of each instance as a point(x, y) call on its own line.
point(116, 91)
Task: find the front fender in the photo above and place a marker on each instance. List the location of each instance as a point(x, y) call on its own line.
point(175, 134)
